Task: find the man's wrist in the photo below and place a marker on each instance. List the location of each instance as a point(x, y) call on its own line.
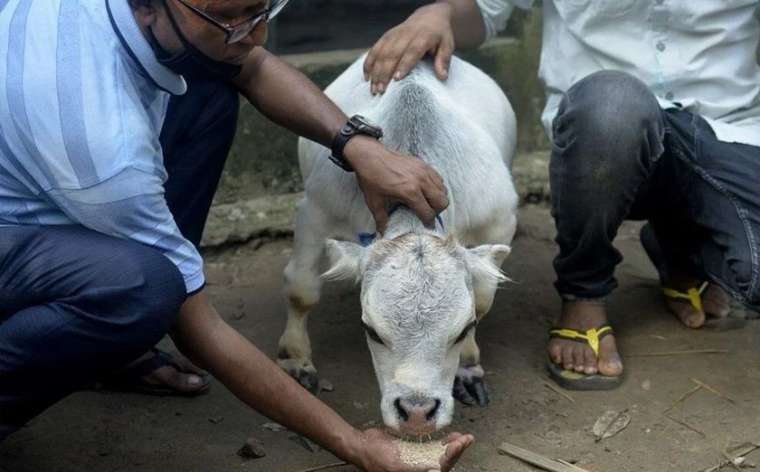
point(354, 445)
point(357, 148)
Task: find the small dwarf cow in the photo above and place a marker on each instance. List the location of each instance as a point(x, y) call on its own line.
point(422, 289)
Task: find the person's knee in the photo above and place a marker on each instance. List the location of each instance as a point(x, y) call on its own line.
point(608, 108)
point(153, 290)
point(162, 291)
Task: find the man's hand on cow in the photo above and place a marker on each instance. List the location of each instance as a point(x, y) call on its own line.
point(381, 453)
point(387, 177)
point(428, 30)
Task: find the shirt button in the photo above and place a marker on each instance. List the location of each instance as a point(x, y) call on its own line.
point(669, 96)
point(660, 46)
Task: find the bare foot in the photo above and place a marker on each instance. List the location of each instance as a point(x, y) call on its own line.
point(182, 376)
point(715, 301)
point(579, 356)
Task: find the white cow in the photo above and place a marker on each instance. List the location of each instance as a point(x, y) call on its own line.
point(422, 289)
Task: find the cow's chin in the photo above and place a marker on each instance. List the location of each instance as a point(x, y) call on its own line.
point(404, 429)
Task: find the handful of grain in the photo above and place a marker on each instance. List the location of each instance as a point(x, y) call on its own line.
point(419, 454)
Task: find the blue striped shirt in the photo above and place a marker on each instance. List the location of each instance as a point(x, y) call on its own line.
point(82, 103)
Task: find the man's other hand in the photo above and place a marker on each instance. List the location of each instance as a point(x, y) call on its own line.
point(427, 30)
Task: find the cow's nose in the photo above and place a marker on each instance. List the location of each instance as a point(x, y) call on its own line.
point(417, 410)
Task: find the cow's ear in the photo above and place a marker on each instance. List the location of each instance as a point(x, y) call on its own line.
point(485, 261)
point(346, 259)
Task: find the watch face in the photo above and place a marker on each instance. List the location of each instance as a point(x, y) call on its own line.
point(366, 126)
point(364, 121)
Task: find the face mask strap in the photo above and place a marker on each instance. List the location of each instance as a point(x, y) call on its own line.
point(191, 56)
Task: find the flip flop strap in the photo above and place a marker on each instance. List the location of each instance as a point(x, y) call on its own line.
point(693, 295)
point(592, 337)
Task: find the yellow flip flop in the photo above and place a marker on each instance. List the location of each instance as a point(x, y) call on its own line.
point(693, 295)
point(573, 380)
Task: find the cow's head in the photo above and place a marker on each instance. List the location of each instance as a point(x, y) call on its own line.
point(418, 305)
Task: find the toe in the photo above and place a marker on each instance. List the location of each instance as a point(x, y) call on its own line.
point(567, 357)
point(188, 367)
point(555, 352)
point(689, 316)
point(590, 362)
point(610, 363)
point(579, 358)
point(176, 380)
point(716, 301)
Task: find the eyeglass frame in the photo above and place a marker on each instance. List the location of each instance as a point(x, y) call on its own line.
point(231, 30)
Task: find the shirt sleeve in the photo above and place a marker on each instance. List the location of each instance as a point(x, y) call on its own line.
point(132, 205)
point(497, 12)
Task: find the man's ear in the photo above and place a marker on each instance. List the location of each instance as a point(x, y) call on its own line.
point(347, 260)
point(485, 261)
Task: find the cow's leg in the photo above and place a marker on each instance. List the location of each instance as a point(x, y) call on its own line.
point(469, 386)
point(302, 291)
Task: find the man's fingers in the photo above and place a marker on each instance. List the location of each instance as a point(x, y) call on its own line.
point(422, 208)
point(386, 64)
point(436, 198)
point(369, 61)
point(379, 213)
point(454, 451)
point(452, 437)
point(443, 58)
point(412, 56)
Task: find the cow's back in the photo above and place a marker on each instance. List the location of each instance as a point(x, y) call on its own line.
point(463, 127)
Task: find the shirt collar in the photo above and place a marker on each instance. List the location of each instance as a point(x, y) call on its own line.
point(133, 40)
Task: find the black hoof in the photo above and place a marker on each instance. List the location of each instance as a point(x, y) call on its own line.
point(308, 380)
point(471, 391)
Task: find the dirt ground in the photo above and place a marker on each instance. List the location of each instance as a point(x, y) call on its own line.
point(116, 432)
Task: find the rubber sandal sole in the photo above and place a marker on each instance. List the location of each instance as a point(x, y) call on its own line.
point(571, 380)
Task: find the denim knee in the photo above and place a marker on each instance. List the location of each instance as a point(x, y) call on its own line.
point(608, 109)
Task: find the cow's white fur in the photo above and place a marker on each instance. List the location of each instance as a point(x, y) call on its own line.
point(420, 287)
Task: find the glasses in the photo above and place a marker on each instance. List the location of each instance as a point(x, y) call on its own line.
point(239, 31)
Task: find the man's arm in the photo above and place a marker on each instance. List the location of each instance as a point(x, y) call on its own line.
point(207, 340)
point(290, 99)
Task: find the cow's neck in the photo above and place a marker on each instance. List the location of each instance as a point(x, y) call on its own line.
point(403, 221)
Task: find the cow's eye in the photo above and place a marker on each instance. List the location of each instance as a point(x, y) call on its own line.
point(465, 331)
point(372, 334)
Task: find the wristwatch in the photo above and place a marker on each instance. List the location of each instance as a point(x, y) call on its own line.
point(357, 124)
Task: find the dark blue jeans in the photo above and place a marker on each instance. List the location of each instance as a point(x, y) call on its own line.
point(617, 155)
point(76, 304)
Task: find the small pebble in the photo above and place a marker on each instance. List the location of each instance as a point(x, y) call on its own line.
point(274, 427)
point(252, 449)
point(216, 419)
point(326, 385)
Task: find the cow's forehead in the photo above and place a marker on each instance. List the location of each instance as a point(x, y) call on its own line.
point(418, 286)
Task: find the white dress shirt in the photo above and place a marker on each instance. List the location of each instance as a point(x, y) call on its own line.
point(699, 54)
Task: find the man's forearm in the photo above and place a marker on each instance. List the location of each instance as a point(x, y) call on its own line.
point(206, 339)
point(287, 97)
point(466, 23)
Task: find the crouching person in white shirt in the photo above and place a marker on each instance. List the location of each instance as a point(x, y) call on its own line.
point(654, 113)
